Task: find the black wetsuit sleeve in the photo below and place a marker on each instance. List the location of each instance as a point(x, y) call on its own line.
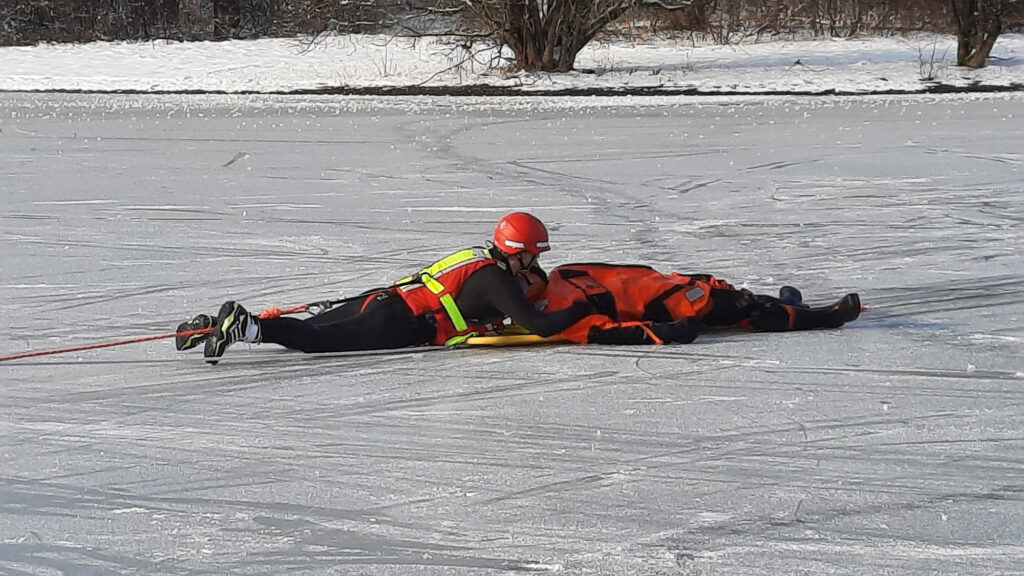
point(491, 292)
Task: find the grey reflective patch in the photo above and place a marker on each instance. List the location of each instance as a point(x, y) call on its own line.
point(694, 293)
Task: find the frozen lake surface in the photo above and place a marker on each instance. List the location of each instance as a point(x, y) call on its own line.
point(892, 446)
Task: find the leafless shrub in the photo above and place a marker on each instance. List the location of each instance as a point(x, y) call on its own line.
point(930, 63)
point(735, 20)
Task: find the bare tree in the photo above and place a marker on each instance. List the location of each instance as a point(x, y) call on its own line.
point(547, 35)
point(978, 24)
point(544, 34)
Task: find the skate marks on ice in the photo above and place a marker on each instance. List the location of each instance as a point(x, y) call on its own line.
point(294, 537)
point(883, 470)
point(968, 315)
point(253, 433)
point(954, 295)
point(891, 445)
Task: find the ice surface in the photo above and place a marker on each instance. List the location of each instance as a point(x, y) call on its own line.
point(891, 446)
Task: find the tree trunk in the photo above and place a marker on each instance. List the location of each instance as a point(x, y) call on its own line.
point(979, 23)
point(990, 24)
point(547, 35)
point(964, 11)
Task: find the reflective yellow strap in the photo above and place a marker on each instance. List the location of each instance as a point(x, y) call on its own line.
point(453, 312)
point(460, 257)
point(427, 275)
point(431, 284)
point(460, 339)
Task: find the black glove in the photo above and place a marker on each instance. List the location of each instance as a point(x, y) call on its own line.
point(582, 308)
point(603, 303)
point(679, 332)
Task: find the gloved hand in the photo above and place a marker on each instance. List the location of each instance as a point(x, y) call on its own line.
point(582, 308)
point(603, 303)
point(681, 331)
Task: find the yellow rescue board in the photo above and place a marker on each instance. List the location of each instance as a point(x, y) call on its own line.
point(513, 340)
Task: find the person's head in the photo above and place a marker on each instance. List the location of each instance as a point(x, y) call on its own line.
point(520, 238)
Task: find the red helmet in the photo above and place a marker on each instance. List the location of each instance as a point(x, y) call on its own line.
point(521, 232)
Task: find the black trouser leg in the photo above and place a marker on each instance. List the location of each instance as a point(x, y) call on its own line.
point(348, 309)
point(773, 317)
point(776, 317)
point(385, 323)
point(729, 307)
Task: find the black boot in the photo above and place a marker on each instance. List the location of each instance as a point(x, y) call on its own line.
point(788, 295)
point(792, 296)
point(233, 324)
point(200, 322)
point(845, 310)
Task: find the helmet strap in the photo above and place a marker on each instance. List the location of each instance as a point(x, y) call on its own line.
point(499, 257)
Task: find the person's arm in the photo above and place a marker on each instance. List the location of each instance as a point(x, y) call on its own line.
point(536, 269)
point(491, 287)
point(679, 332)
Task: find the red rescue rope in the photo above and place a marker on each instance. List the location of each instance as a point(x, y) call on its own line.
point(268, 313)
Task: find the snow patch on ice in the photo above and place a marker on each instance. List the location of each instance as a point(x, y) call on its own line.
point(986, 337)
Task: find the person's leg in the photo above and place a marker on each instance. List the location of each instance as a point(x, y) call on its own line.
point(203, 321)
point(348, 309)
point(385, 323)
point(729, 307)
point(777, 317)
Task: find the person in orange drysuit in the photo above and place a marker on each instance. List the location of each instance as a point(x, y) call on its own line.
point(630, 299)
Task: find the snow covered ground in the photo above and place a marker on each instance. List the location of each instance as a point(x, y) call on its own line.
point(900, 64)
point(891, 446)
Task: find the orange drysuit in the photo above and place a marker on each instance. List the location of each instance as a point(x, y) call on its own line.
point(639, 296)
point(624, 295)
